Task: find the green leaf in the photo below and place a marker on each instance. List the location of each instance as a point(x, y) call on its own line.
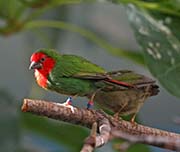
point(118, 146)
point(172, 7)
point(139, 147)
point(71, 136)
point(131, 55)
point(160, 44)
point(11, 9)
point(9, 128)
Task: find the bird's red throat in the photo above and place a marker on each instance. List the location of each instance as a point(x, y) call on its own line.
point(42, 74)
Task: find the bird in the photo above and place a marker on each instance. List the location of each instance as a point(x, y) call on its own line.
point(123, 92)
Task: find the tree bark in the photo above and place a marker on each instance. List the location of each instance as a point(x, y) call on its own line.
point(106, 128)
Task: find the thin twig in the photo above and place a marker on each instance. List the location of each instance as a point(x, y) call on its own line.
point(109, 128)
point(90, 141)
point(159, 141)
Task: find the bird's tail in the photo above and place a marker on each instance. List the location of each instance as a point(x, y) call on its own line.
point(121, 83)
point(147, 86)
point(152, 89)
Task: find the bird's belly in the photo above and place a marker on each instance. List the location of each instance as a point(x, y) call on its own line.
point(124, 102)
point(71, 86)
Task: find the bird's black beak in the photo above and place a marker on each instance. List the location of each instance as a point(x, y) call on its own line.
point(35, 65)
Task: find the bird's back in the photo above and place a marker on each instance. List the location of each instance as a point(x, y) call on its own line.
point(67, 75)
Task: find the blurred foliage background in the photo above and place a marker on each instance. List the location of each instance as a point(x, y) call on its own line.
point(140, 35)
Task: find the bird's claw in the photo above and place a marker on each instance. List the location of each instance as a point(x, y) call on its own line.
point(132, 120)
point(67, 104)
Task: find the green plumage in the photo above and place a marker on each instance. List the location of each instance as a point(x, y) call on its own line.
point(74, 75)
point(63, 77)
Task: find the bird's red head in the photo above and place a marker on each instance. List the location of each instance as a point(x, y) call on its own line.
point(43, 65)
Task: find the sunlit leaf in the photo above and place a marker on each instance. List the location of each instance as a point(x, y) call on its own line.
point(161, 47)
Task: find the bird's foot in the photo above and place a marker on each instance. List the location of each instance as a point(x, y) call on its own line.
point(90, 104)
point(68, 104)
point(133, 120)
point(117, 117)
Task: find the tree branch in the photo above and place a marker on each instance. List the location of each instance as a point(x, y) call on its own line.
point(109, 127)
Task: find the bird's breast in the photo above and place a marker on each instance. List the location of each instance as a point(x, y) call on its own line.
point(40, 79)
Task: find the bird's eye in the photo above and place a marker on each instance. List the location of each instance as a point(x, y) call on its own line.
point(42, 59)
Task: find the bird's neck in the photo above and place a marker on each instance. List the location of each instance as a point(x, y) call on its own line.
point(42, 74)
point(41, 78)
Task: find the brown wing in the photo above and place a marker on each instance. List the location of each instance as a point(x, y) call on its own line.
point(123, 78)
